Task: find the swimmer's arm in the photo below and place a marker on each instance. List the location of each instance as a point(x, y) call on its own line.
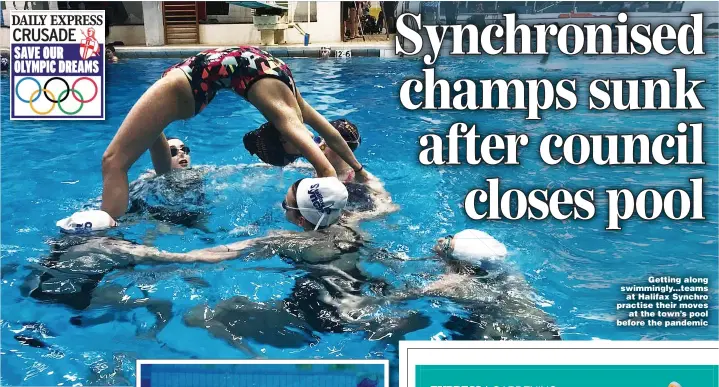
point(297, 246)
point(209, 255)
point(161, 156)
point(380, 194)
point(319, 252)
point(380, 197)
point(257, 248)
point(332, 137)
point(146, 254)
point(150, 173)
point(308, 149)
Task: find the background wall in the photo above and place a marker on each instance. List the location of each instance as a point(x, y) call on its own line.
point(325, 28)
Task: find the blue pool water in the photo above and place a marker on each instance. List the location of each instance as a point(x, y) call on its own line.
point(51, 169)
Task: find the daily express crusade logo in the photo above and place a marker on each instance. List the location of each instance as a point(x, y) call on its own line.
point(58, 65)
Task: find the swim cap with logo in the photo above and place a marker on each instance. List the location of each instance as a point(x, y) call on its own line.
point(86, 221)
point(321, 200)
point(476, 246)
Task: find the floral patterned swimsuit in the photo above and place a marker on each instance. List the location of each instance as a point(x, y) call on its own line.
point(236, 68)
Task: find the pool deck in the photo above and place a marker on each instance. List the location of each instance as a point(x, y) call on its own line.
point(357, 48)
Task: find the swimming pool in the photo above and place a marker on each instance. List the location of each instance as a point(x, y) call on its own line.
point(50, 169)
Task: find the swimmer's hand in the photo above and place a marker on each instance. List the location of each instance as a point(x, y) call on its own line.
point(86, 222)
point(362, 176)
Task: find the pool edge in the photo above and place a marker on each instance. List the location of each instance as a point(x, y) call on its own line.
point(375, 51)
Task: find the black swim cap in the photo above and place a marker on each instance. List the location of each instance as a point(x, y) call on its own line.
point(349, 132)
point(265, 143)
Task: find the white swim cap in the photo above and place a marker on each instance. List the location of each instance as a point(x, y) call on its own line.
point(476, 246)
point(321, 200)
point(86, 221)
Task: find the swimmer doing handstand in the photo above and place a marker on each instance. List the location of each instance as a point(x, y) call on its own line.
point(188, 87)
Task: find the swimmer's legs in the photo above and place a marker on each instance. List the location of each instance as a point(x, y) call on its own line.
point(279, 105)
point(201, 316)
point(114, 299)
point(391, 330)
point(168, 100)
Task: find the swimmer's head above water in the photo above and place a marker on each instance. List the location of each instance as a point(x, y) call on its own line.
point(180, 153)
point(110, 54)
point(85, 222)
point(315, 203)
point(267, 143)
point(471, 246)
point(348, 131)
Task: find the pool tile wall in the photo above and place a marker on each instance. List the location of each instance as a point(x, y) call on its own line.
point(280, 52)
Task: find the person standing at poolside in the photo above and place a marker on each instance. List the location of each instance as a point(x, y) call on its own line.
point(186, 88)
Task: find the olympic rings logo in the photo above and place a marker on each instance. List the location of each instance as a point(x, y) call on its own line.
point(50, 96)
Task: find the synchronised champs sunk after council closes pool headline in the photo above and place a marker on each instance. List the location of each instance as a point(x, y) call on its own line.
point(682, 146)
point(50, 29)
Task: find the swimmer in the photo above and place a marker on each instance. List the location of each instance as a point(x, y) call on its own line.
point(71, 275)
point(330, 297)
point(326, 241)
point(179, 156)
point(179, 153)
point(365, 201)
point(328, 257)
point(4, 64)
point(476, 277)
point(110, 54)
point(267, 143)
point(178, 197)
point(186, 88)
